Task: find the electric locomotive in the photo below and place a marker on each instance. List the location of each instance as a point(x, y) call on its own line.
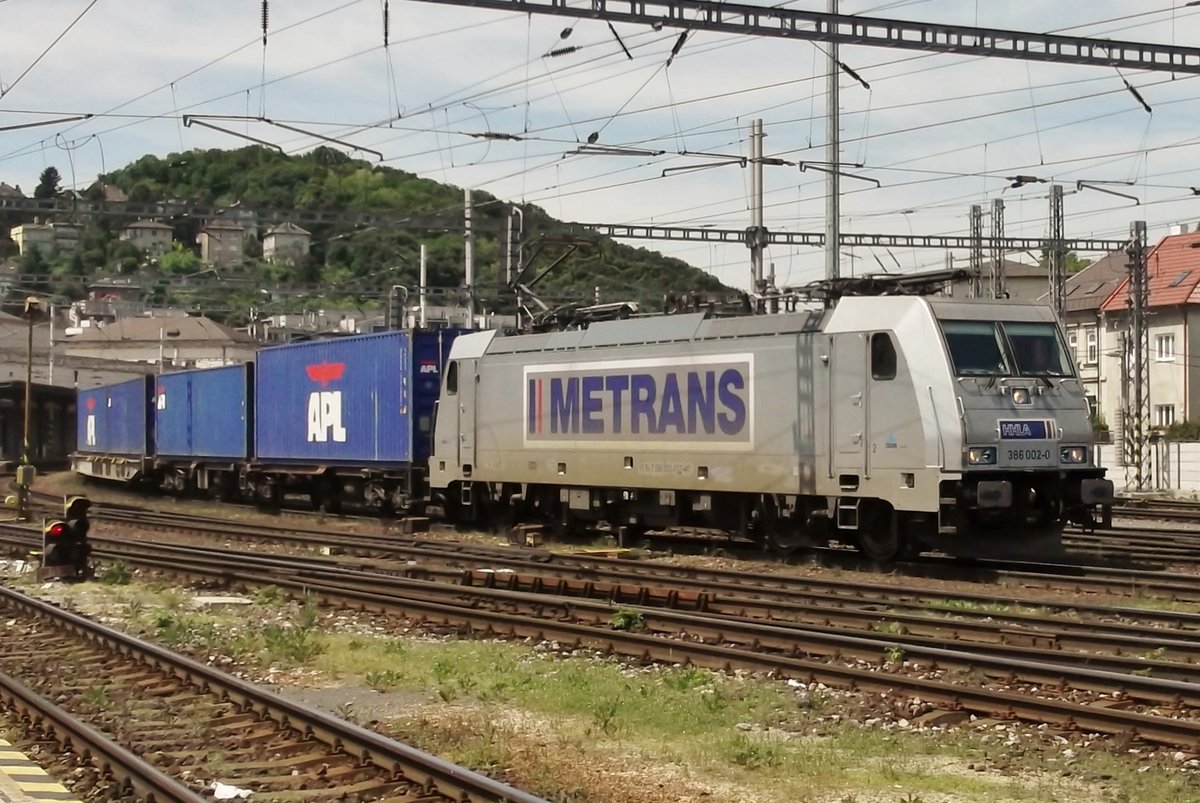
point(895, 423)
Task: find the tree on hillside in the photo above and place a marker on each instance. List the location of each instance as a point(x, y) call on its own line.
point(49, 183)
point(1072, 264)
point(179, 261)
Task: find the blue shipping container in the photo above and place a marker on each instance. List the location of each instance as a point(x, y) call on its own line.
point(115, 419)
point(203, 413)
point(343, 401)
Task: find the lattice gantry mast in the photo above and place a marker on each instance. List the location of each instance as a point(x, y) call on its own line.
point(1137, 353)
point(976, 251)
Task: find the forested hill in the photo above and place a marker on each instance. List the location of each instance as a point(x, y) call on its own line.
point(347, 260)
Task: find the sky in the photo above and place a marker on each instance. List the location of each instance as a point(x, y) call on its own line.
point(938, 132)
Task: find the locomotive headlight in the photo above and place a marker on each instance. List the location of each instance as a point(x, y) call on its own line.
point(1073, 454)
point(1020, 395)
point(981, 455)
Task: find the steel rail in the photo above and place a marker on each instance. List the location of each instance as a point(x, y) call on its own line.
point(415, 765)
point(145, 780)
point(813, 598)
point(805, 607)
point(988, 702)
point(1058, 575)
point(1131, 646)
point(1180, 587)
point(420, 594)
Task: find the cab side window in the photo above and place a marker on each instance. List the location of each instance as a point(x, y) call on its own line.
point(452, 378)
point(883, 357)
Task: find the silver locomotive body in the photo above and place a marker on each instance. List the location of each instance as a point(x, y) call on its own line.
point(873, 422)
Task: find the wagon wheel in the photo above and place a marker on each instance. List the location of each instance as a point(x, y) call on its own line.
point(879, 536)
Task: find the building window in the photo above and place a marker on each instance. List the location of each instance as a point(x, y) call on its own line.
point(1164, 415)
point(1164, 348)
point(1073, 342)
point(1093, 347)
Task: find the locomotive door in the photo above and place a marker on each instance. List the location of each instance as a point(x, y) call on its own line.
point(848, 404)
point(467, 388)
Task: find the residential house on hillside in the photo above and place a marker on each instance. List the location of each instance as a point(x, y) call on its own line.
point(1173, 321)
point(45, 237)
point(66, 237)
point(107, 300)
point(173, 342)
point(150, 236)
point(222, 244)
point(9, 191)
point(286, 242)
point(1087, 336)
point(31, 237)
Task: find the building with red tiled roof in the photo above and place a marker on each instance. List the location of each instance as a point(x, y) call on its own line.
point(1173, 320)
point(1084, 295)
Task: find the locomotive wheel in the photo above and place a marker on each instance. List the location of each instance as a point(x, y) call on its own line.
point(783, 535)
point(786, 537)
point(879, 536)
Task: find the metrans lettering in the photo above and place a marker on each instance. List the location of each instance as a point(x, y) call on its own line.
point(685, 400)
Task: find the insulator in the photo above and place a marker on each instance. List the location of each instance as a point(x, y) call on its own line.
point(385, 23)
point(266, 15)
point(562, 51)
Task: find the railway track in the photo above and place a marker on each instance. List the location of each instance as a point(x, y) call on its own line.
point(192, 724)
point(1077, 578)
point(1164, 509)
point(1119, 547)
point(1068, 692)
point(948, 616)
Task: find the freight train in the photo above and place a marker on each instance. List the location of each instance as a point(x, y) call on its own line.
point(892, 423)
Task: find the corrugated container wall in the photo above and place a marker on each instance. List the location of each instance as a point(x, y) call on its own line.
point(203, 413)
point(115, 419)
point(335, 401)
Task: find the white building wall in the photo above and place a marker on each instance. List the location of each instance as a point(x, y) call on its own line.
point(1172, 466)
point(1168, 396)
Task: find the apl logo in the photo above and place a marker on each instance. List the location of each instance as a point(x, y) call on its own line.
point(91, 421)
point(325, 406)
point(428, 368)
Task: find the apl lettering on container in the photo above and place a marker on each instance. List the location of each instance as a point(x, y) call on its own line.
point(325, 406)
point(669, 403)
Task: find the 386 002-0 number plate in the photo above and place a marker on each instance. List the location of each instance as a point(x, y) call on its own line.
point(1029, 455)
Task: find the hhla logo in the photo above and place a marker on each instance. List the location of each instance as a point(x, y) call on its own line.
point(325, 406)
point(91, 421)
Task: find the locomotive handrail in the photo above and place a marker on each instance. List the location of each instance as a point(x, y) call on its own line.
point(938, 424)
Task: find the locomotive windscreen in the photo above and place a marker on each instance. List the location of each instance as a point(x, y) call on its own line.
point(975, 348)
point(986, 348)
point(1037, 349)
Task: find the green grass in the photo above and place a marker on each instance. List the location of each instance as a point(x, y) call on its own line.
point(1159, 604)
point(995, 608)
point(675, 715)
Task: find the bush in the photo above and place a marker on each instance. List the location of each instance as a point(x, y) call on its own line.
point(1184, 430)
